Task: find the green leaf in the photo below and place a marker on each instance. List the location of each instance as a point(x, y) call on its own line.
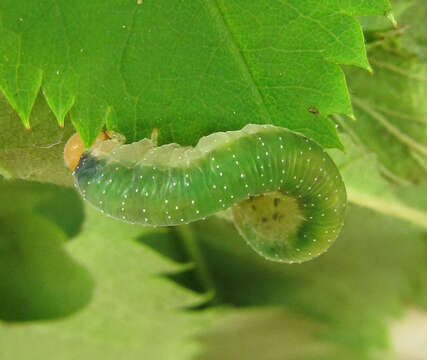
point(36, 154)
point(270, 333)
point(187, 68)
point(134, 310)
point(377, 266)
point(415, 36)
point(367, 187)
point(411, 25)
point(34, 227)
point(391, 113)
point(273, 333)
point(31, 198)
point(391, 106)
point(39, 279)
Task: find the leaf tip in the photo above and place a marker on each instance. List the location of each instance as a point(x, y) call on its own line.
point(364, 64)
point(25, 120)
point(392, 19)
point(341, 146)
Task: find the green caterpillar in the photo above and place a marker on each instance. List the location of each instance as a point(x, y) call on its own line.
point(286, 195)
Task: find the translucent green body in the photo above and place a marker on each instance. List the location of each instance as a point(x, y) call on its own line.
point(287, 195)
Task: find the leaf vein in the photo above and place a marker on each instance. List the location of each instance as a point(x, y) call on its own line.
point(241, 59)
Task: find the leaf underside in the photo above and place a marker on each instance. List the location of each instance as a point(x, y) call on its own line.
point(188, 68)
point(391, 113)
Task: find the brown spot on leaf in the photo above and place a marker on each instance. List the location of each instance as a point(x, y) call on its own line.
point(313, 110)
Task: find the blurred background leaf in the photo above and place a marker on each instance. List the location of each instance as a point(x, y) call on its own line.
point(39, 279)
point(375, 271)
point(367, 187)
point(270, 333)
point(133, 308)
point(35, 154)
point(390, 105)
point(391, 113)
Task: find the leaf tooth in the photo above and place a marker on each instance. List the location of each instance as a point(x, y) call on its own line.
point(391, 18)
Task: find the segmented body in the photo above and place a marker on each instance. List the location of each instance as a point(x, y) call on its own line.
point(287, 195)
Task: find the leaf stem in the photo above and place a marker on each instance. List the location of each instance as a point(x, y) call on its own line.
point(188, 237)
point(387, 207)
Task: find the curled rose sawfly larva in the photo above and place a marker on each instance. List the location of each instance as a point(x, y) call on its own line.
point(286, 194)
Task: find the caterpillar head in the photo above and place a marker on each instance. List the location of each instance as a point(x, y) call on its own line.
point(74, 149)
point(104, 144)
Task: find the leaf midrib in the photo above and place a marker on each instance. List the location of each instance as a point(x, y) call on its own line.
point(218, 15)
